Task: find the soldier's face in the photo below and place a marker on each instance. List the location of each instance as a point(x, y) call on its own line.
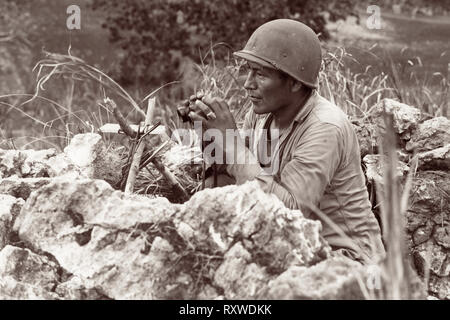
point(267, 88)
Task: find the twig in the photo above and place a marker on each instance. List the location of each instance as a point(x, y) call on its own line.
point(175, 185)
point(134, 169)
point(170, 178)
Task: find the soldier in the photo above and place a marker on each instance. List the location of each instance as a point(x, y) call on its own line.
point(318, 160)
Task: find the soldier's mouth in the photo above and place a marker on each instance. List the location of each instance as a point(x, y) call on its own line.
point(254, 99)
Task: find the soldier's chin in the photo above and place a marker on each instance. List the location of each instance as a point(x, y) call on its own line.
point(258, 108)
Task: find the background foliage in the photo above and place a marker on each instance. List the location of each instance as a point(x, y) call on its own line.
point(160, 36)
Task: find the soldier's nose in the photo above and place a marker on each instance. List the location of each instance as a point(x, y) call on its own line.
point(250, 83)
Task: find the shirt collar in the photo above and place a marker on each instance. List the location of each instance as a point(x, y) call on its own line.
point(306, 109)
point(302, 114)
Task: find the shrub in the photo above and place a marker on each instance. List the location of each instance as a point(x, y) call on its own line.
point(158, 37)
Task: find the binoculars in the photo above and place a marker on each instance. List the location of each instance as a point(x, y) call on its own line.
point(187, 106)
point(183, 111)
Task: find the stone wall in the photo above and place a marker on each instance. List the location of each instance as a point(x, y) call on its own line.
point(424, 150)
point(65, 233)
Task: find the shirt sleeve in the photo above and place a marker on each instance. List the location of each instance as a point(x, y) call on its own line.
point(305, 177)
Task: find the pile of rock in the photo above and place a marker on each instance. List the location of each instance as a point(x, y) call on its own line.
point(424, 150)
point(65, 233)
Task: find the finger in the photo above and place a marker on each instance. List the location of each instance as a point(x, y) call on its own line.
point(196, 96)
point(211, 116)
point(196, 117)
point(205, 109)
point(213, 104)
point(200, 94)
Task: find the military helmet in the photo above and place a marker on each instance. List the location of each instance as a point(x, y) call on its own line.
point(286, 45)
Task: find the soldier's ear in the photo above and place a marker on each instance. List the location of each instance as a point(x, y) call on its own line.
point(296, 86)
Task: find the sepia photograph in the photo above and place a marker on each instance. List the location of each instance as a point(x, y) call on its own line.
point(224, 155)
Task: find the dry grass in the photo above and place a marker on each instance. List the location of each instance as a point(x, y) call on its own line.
point(355, 93)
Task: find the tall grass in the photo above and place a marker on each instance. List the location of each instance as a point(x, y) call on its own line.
point(396, 271)
point(76, 107)
point(356, 93)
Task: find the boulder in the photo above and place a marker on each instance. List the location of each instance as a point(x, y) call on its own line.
point(406, 118)
point(73, 220)
point(440, 287)
point(26, 275)
point(21, 187)
point(75, 289)
point(429, 195)
point(414, 220)
point(25, 163)
point(428, 220)
point(334, 278)
point(9, 210)
point(430, 135)
point(442, 235)
point(374, 168)
point(276, 237)
point(238, 276)
point(11, 289)
point(436, 159)
point(434, 258)
point(88, 155)
point(423, 233)
point(366, 139)
point(141, 248)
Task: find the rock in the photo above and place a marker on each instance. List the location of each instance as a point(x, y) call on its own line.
point(60, 165)
point(21, 187)
point(436, 159)
point(276, 236)
point(35, 164)
point(73, 220)
point(238, 276)
point(366, 140)
point(89, 153)
point(22, 268)
point(432, 257)
point(334, 278)
point(11, 289)
point(429, 194)
point(374, 168)
point(142, 248)
point(9, 210)
point(406, 118)
point(25, 163)
point(414, 220)
point(423, 233)
point(431, 134)
point(86, 156)
point(442, 236)
point(441, 218)
point(440, 287)
point(75, 289)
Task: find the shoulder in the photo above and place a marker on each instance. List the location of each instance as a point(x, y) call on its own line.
point(326, 112)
